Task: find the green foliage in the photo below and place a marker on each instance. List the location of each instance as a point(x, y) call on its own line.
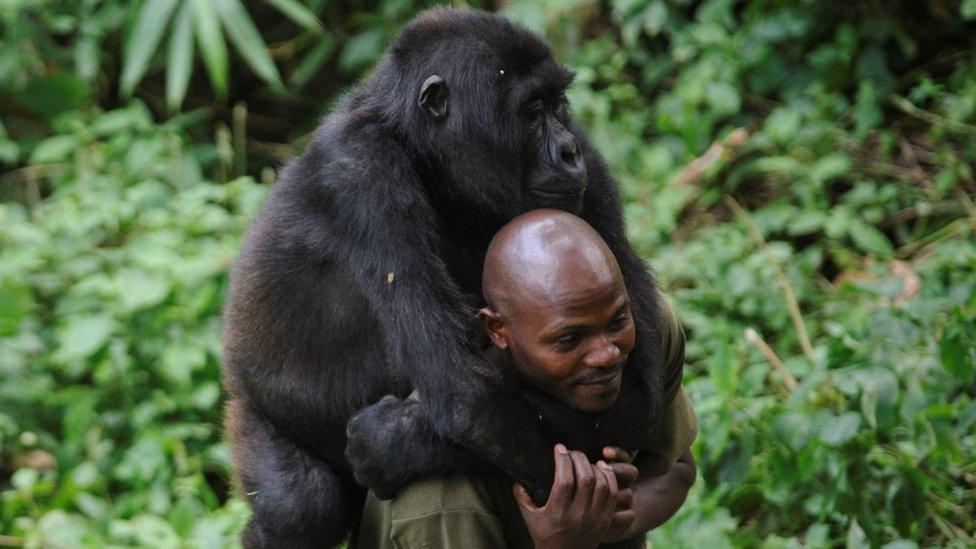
point(208, 21)
point(799, 175)
point(109, 364)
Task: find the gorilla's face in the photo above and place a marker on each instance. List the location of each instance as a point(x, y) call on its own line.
point(508, 143)
point(556, 177)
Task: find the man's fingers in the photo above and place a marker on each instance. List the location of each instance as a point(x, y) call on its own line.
point(625, 498)
point(585, 480)
point(612, 485)
point(601, 488)
point(615, 453)
point(562, 484)
point(626, 474)
point(623, 518)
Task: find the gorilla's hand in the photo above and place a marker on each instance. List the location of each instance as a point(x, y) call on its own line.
point(392, 444)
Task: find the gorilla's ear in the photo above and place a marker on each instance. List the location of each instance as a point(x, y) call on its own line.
point(433, 97)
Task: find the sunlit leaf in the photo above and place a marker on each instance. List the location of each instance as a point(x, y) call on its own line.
point(144, 41)
point(211, 40)
point(870, 239)
point(840, 429)
point(298, 13)
point(179, 62)
point(54, 149)
point(83, 335)
point(248, 41)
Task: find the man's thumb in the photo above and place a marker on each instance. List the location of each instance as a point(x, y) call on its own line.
point(522, 496)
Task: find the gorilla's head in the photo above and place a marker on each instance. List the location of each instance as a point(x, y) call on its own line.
point(481, 102)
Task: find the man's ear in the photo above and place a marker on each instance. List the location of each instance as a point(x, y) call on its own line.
point(433, 97)
point(495, 326)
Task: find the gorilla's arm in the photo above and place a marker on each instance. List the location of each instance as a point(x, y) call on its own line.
point(389, 239)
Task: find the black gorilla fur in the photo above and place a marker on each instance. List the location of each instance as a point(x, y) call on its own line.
point(361, 275)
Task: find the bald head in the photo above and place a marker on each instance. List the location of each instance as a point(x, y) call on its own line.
point(543, 256)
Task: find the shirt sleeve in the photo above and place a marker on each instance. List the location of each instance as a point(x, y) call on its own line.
point(681, 423)
point(449, 529)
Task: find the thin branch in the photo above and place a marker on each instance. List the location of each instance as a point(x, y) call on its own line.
point(694, 170)
point(911, 109)
point(791, 303)
point(789, 382)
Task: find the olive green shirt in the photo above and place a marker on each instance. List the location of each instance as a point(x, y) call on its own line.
point(475, 512)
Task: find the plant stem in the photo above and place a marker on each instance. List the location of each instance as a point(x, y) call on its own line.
point(791, 303)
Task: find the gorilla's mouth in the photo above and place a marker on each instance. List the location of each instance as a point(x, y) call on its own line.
point(556, 195)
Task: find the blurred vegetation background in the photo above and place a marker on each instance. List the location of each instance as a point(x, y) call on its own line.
point(798, 173)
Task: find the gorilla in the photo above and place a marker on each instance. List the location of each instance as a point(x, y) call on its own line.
point(361, 275)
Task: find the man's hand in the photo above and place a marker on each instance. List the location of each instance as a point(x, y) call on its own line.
point(581, 505)
point(621, 526)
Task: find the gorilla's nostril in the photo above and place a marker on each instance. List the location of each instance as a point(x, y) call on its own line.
point(569, 152)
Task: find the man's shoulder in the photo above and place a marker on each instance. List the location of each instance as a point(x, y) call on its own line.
point(673, 348)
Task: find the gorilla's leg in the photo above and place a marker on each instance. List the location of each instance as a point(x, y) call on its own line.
point(298, 500)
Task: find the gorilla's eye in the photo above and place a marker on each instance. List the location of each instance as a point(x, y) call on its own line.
point(536, 109)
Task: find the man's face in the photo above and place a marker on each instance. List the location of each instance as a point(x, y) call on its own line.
point(573, 342)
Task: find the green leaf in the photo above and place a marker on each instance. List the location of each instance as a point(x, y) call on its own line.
point(723, 97)
point(806, 222)
point(180, 358)
point(312, 62)
point(908, 503)
point(54, 149)
point(298, 13)
point(968, 9)
point(83, 335)
point(655, 16)
point(179, 62)
point(139, 290)
point(856, 539)
point(361, 50)
point(211, 41)
point(248, 41)
point(830, 167)
point(867, 112)
point(15, 303)
point(870, 239)
point(782, 124)
point(143, 41)
point(955, 354)
point(841, 429)
point(722, 370)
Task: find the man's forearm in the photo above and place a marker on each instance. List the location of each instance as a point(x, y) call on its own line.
point(658, 498)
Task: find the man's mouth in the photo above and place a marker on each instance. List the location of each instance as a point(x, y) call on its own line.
point(602, 379)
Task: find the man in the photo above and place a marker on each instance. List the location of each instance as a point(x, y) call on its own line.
point(559, 321)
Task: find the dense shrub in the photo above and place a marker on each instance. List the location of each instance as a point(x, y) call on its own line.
point(798, 174)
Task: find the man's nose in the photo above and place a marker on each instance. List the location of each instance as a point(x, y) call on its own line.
point(604, 354)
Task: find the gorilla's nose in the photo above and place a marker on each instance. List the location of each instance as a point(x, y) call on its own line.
point(567, 154)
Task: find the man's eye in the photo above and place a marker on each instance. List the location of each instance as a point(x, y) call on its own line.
point(568, 341)
point(619, 322)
